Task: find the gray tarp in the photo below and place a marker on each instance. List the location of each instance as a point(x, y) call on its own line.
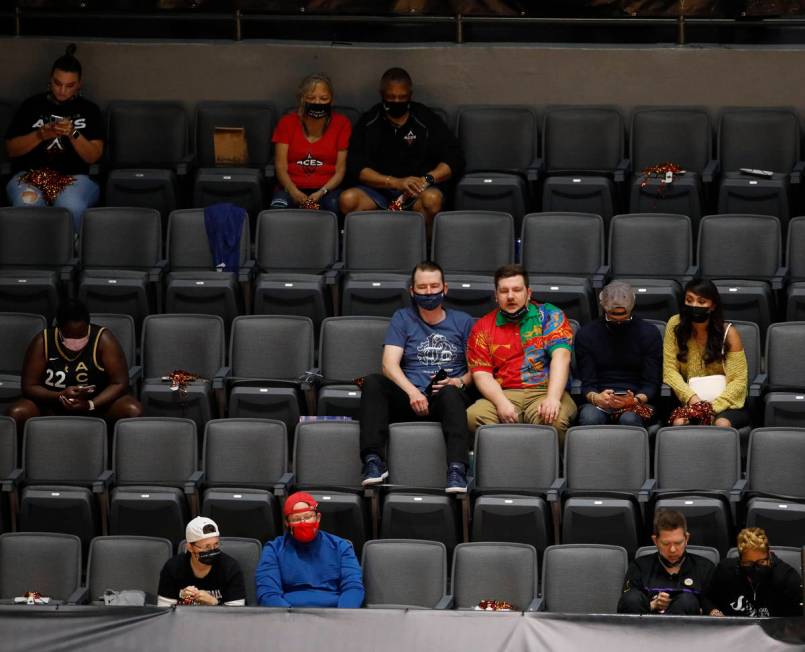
point(108, 629)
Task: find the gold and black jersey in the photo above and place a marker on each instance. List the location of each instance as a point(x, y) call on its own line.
point(65, 368)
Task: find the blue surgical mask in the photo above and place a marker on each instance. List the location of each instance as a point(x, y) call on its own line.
point(428, 301)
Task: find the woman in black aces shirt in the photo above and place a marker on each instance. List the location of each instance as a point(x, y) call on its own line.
point(52, 140)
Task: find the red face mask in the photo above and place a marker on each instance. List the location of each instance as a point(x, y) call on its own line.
point(305, 532)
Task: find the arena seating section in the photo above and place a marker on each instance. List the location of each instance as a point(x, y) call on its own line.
point(287, 335)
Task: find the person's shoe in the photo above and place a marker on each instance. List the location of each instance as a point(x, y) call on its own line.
point(456, 478)
point(374, 470)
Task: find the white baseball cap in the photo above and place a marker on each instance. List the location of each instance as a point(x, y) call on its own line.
point(200, 528)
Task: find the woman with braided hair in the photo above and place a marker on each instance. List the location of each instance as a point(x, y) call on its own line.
point(704, 355)
point(755, 584)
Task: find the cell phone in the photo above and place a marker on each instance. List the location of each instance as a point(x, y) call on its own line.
point(440, 375)
point(86, 389)
point(621, 392)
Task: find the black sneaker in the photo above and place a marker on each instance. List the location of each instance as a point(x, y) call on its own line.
point(374, 470)
point(456, 478)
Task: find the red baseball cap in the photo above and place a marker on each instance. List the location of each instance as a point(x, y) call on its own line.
point(298, 497)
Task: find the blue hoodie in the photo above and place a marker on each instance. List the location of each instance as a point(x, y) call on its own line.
point(322, 573)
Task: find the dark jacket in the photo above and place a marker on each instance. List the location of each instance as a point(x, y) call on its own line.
point(777, 595)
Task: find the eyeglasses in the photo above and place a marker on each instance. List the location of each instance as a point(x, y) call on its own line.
point(216, 546)
point(760, 563)
point(301, 518)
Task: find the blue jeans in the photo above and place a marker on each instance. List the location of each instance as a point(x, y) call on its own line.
point(281, 199)
point(589, 415)
point(76, 198)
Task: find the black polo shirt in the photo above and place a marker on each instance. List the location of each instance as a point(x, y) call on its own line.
point(224, 581)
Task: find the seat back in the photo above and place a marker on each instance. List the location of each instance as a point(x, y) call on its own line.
point(494, 571)
point(795, 256)
point(296, 239)
point(766, 139)
point(45, 562)
point(122, 327)
point(708, 552)
point(126, 563)
point(68, 450)
point(516, 457)
point(607, 458)
point(188, 247)
point(576, 245)
point(697, 458)
point(271, 346)
point(17, 329)
point(774, 461)
point(750, 338)
point(255, 118)
point(785, 355)
point(583, 578)
point(404, 572)
point(417, 456)
point(582, 139)
point(244, 452)
point(384, 241)
point(194, 343)
point(498, 138)
point(477, 242)
point(650, 244)
point(680, 135)
point(132, 130)
point(154, 451)
point(8, 445)
point(350, 347)
point(327, 454)
point(33, 237)
point(739, 246)
point(121, 238)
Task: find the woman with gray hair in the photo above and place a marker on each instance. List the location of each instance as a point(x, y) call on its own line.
point(310, 149)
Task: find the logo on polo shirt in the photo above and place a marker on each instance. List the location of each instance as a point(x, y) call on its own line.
point(410, 137)
point(309, 164)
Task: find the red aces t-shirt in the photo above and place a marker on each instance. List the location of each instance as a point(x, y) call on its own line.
point(311, 165)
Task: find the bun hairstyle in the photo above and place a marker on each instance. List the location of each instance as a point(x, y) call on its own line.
point(67, 62)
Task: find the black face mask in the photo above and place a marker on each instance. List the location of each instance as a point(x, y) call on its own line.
point(756, 574)
point(668, 564)
point(396, 109)
point(209, 557)
point(317, 110)
point(517, 315)
point(697, 314)
point(617, 327)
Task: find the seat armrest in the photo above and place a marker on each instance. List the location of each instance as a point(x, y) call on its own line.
point(622, 170)
point(332, 273)
point(191, 485)
point(535, 170)
point(281, 486)
point(691, 272)
point(311, 379)
point(135, 374)
point(712, 168)
point(219, 380)
point(183, 165)
point(644, 493)
point(534, 605)
point(556, 490)
point(157, 271)
point(598, 277)
point(11, 481)
point(737, 491)
point(778, 280)
point(757, 385)
point(575, 387)
point(103, 481)
point(67, 271)
point(665, 391)
point(268, 171)
point(246, 271)
point(796, 174)
point(79, 596)
point(446, 602)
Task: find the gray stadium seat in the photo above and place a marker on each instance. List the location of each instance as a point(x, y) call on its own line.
point(126, 563)
point(495, 571)
point(8, 464)
point(45, 562)
point(785, 367)
point(583, 578)
point(566, 268)
point(17, 329)
point(516, 482)
point(795, 263)
point(380, 250)
point(156, 478)
point(583, 159)
point(404, 573)
point(194, 285)
point(789, 554)
point(470, 246)
point(245, 464)
point(121, 260)
point(607, 476)
point(295, 251)
point(37, 266)
point(122, 327)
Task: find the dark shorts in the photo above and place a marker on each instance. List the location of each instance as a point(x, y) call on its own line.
point(738, 418)
point(383, 197)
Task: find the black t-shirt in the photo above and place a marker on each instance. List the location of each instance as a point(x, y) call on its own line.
point(412, 149)
point(58, 153)
point(224, 581)
point(777, 595)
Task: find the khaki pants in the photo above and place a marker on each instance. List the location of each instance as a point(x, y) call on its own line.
point(527, 402)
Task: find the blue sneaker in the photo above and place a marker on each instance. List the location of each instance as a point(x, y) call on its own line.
point(374, 470)
point(456, 478)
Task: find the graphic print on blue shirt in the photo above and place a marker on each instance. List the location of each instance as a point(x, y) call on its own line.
point(428, 348)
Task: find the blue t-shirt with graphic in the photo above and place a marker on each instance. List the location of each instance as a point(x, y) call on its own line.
point(428, 348)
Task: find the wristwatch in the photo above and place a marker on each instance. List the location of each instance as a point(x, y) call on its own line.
point(323, 191)
point(429, 179)
point(460, 383)
point(91, 405)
